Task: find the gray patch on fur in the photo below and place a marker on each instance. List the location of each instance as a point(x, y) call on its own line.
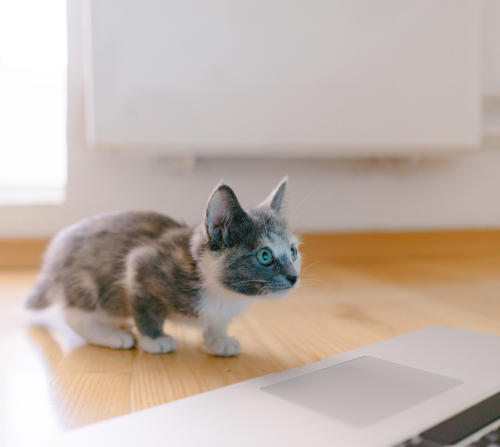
point(243, 273)
point(88, 261)
point(236, 235)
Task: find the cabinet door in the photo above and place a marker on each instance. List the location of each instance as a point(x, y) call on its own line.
point(285, 77)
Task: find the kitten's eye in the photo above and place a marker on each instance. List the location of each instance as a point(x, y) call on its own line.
point(265, 256)
point(293, 252)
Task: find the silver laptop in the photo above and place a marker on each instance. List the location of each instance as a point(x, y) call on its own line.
point(435, 387)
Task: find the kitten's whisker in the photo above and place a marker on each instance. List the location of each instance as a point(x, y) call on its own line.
point(247, 281)
point(263, 291)
point(317, 280)
point(308, 275)
point(308, 266)
point(298, 204)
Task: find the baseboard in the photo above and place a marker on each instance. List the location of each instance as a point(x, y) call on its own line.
point(27, 253)
point(21, 253)
point(345, 246)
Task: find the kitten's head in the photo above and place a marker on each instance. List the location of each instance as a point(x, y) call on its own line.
point(251, 252)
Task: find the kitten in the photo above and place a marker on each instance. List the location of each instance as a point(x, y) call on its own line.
point(141, 268)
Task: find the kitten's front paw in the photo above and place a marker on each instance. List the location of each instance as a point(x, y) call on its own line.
point(223, 346)
point(117, 340)
point(161, 345)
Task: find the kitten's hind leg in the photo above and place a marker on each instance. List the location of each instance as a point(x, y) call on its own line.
point(98, 329)
point(149, 316)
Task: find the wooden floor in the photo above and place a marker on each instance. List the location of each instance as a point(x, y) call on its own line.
point(356, 290)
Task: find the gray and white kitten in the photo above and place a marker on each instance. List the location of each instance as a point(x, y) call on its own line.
point(141, 268)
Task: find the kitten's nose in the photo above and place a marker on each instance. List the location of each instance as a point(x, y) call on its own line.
point(292, 279)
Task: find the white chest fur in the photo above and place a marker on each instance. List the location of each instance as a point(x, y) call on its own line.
point(217, 302)
point(220, 304)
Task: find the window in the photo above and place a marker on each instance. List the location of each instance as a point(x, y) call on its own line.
point(32, 101)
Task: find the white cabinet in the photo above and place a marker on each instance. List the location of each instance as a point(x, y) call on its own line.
point(284, 77)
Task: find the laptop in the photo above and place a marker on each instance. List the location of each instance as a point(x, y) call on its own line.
point(436, 387)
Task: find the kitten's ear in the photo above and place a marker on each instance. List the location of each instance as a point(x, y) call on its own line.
point(223, 211)
point(275, 200)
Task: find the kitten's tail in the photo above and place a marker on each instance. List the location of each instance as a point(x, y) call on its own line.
point(39, 296)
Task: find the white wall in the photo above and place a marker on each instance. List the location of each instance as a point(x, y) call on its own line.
point(491, 47)
point(233, 78)
point(461, 192)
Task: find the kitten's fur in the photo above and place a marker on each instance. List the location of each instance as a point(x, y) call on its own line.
point(140, 268)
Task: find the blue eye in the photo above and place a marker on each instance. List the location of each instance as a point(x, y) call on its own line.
point(293, 252)
point(265, 256)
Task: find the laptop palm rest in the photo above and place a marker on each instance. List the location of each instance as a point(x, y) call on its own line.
point(362, 391)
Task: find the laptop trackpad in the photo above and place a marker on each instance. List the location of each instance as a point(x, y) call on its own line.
point(362, 391)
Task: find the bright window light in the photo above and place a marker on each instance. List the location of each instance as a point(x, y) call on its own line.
point(32, 101)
